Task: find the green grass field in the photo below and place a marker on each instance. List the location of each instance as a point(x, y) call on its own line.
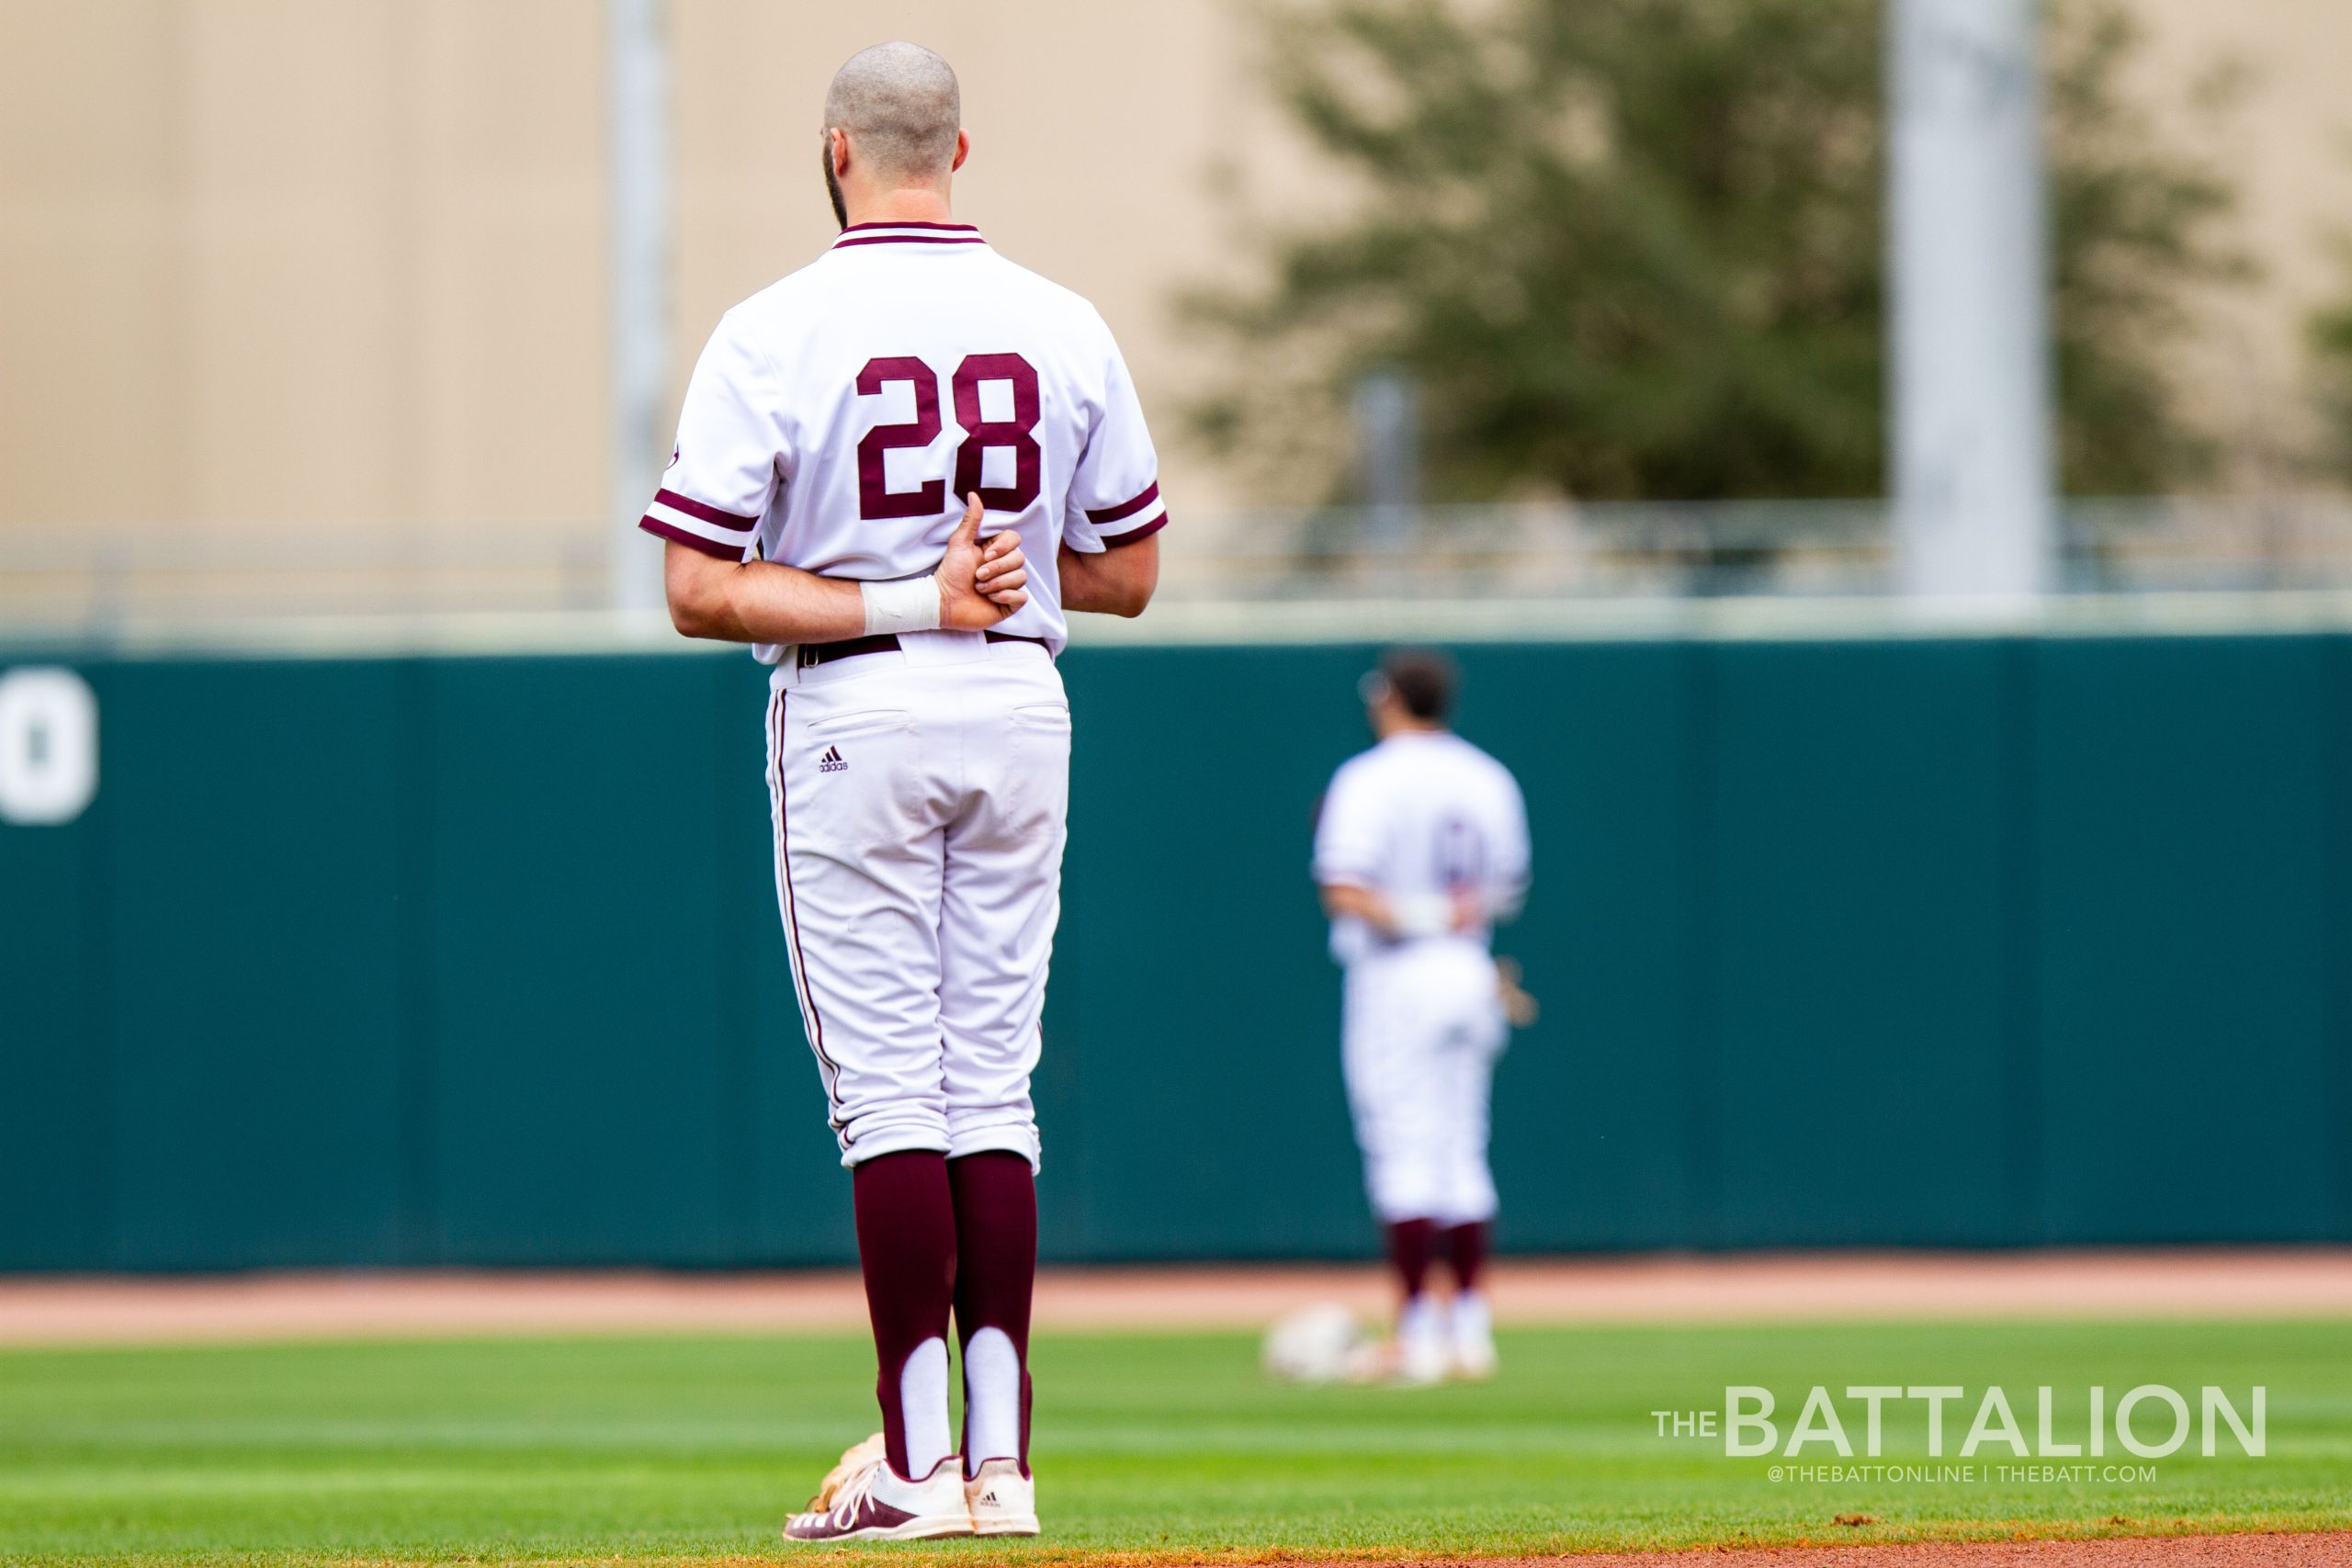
point(686, 1448)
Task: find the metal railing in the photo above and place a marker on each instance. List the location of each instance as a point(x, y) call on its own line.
point(112, 582)
point(101, 580)
point(1714, 550)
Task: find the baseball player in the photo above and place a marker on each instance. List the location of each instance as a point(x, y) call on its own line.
point(1420, 850)
point(897, 470)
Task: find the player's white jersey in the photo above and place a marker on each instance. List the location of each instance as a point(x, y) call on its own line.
point(838, 417)
point(1424, 812)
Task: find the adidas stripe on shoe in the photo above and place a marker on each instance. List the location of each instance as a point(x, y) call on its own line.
point(1002, 1500)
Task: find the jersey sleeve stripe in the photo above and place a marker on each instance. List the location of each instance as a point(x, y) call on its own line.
point(1127, 508)
point(716, 533)
point(709, 513)
point(702, 542)
point(1113, 541)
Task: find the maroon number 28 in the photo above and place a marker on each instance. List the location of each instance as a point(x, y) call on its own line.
point(876, 498)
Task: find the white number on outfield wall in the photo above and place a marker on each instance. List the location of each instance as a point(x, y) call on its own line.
point(49, 747)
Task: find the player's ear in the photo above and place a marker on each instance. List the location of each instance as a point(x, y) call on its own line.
point(963, 150)
point(837, 149)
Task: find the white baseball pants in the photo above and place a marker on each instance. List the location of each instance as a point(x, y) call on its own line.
point(1423, 1029)
point(921, 800)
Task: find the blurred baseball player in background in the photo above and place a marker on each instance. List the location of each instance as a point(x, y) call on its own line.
point(1420, 850)
point(848, 436)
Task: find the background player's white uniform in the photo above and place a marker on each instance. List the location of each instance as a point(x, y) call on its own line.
point(1423, 812)
point(833, 423)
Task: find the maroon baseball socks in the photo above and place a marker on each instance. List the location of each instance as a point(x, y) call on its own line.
point(1434, 1341)
point(996, 1234)
point(936, 1236)
point(906, 1247)
point(1466, 1246)
point(1470, 1326)
point(1410, 1245)
point(1420, 1328)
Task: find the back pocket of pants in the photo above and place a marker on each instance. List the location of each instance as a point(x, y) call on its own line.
point(1050, 716)
point(872, 721)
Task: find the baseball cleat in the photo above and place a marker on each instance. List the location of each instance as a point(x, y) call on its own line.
point(862, 1498)
point(1423, 1359)
point(1474, 1356)
point(1471, 1331)
point(1369, 1361)
point(1422, 1354)
point(1396, 1363)
point(1001, 1499)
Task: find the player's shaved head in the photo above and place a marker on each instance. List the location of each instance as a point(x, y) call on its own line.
point(1421, 680)
point(901, 107)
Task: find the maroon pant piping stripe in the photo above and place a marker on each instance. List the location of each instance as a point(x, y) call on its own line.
point(792, 920)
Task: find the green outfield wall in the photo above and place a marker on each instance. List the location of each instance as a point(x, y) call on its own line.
point(1972, 942)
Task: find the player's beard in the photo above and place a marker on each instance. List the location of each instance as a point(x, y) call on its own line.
point(833, 186)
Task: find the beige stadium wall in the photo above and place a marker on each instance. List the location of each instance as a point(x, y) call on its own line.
point(270, 259)
point(279, 260)
point(2286, 142)
point(285, 260)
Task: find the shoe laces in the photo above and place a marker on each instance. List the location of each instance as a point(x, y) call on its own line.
point(855, 1492)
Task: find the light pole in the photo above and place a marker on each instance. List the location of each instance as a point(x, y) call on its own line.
point(637, 108)
point(1969, 367)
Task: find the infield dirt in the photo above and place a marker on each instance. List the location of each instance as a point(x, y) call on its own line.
point(2316, 1550)
point(1779, 1286)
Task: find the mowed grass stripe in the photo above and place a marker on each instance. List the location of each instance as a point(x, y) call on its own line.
point(686, 1448)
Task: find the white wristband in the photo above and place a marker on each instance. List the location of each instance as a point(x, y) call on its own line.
point(1422, 914)
point(909, 606)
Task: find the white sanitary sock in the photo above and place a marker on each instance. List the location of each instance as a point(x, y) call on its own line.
point(923, 1408)
point(1418, 1323)
point(991, 1399)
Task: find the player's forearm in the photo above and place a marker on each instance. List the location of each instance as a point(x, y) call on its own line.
point(769, 602)
point(758, 600)
point(977, 584)
point(1345, 901)
point(1418, 914)
point(1116, 581)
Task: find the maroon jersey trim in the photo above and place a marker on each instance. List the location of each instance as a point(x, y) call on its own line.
point(705, 511)
point(1113, 541)
point(671, 532)
point(843, 245)
point(1127, 508)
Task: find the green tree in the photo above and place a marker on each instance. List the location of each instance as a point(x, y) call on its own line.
point(2331, 344)
point(1633, 248)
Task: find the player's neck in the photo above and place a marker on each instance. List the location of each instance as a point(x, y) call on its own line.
point(904, 204)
